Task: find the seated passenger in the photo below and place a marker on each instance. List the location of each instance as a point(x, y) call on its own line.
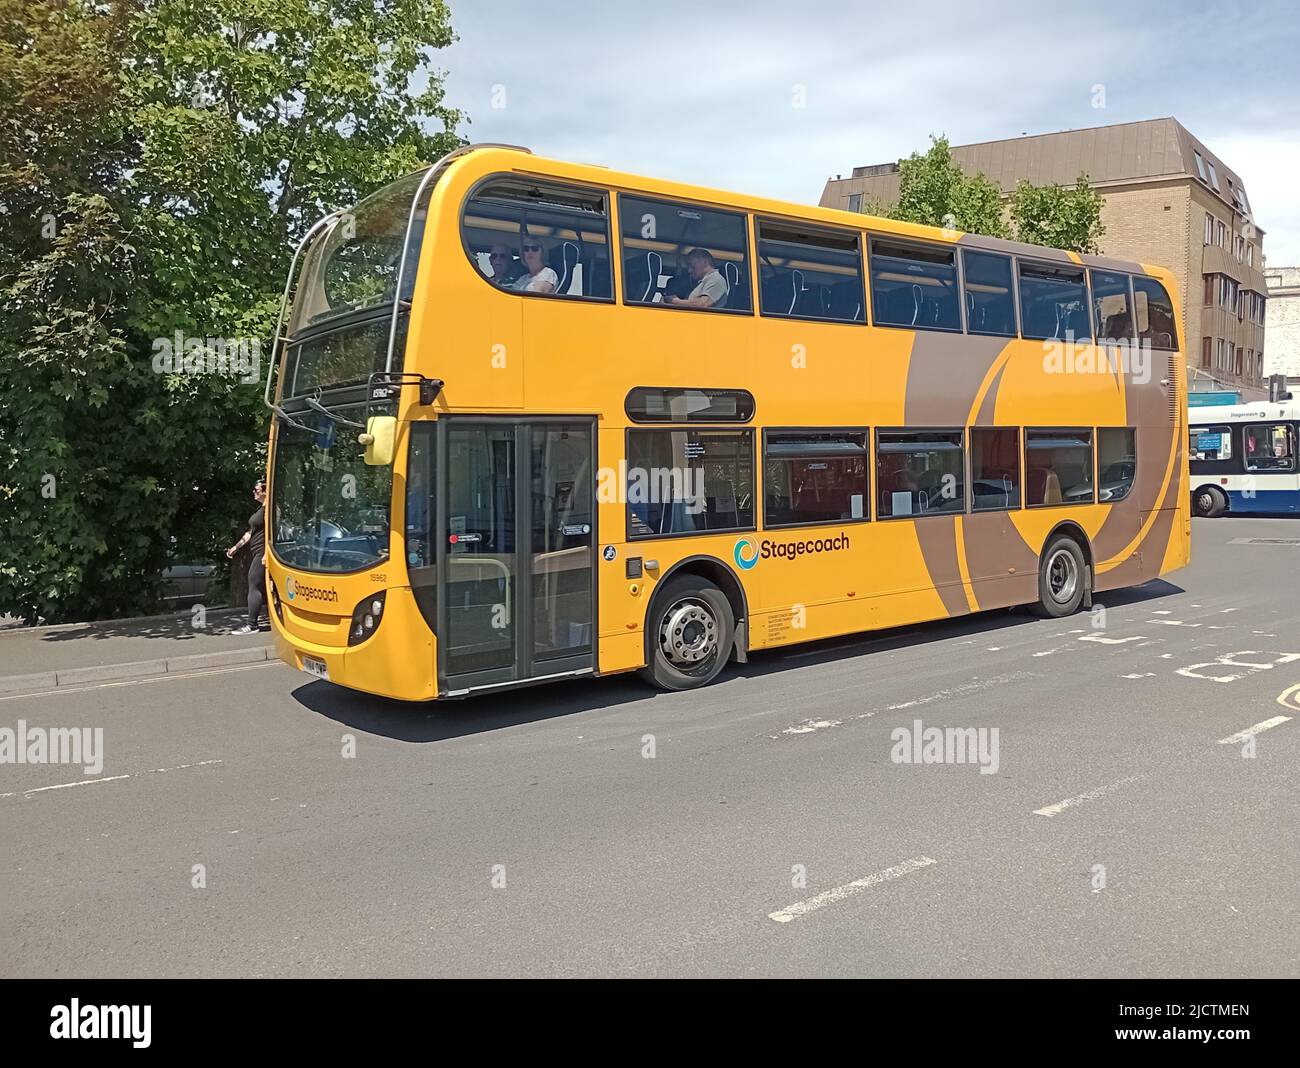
point(502, 263)
point(537, 277)
point(711, 288)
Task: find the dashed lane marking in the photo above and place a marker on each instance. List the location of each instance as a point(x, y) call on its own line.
point(840, 893)
point(1091, 795)
point(1258, 728)
point(106, 778)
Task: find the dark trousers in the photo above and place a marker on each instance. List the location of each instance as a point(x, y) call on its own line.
point(256, 592)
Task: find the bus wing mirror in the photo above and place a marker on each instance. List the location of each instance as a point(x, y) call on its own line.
point(379, 439)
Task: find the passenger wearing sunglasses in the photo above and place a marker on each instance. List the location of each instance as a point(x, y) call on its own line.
point(537, 277)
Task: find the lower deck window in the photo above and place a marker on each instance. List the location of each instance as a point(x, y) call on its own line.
point(814, 477)
point(1116, 462)
point(919, 472)
point(994, 468)
point(1058, 467)
point(689, 481)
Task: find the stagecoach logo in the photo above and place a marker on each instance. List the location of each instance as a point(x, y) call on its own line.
point(309, 593)
point(748, 553)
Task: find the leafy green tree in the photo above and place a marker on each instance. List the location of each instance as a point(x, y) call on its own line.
point(933, 190)
point(182, 147)
point(1058, 216)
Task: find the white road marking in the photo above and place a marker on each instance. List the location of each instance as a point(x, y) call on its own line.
point(1164, 612)
point(965, 688)
point(810, 725)
point(1250, 667)
point(1091, 795)
point(1103, 640)
point(1142, 675)
point(60, 691)
point(106, 778)
point(840, 893)
point(1290, 697)
point(1258, 728)
point(1173, 623)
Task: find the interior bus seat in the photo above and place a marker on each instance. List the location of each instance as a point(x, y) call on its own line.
point(845, 302)
point(1044, 485)
point(564, 261)
point(735, 288)
point(642, 271)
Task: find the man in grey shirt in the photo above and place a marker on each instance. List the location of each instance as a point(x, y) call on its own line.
point(711, 288)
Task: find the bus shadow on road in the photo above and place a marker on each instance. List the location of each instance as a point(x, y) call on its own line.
point(481, 714)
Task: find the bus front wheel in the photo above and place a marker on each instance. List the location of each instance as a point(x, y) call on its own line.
point(1210, 502)
point(691, 629)
point(1061, 578)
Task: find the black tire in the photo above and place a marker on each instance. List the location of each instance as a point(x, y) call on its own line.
point(1210, 502)
point(689, 634)
point(1062, 572)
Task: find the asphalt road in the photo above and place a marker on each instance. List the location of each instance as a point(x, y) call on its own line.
point(1120, 835)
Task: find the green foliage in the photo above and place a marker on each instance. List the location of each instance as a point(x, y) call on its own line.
point(934, 191)
point(1058, 216)
point(160, 157)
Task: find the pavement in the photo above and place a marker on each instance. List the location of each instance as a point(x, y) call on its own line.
point(38, 658)
point(1142, 820)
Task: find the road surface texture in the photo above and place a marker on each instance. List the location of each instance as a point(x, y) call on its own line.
point(1128, 829)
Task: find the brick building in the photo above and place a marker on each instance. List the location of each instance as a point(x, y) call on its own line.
point(1167, 200)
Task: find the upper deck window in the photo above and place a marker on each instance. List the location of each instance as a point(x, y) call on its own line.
point(809, 274)
point(1155, 314)
point(1111, 311)
point(650, 404)
point(1054, 303)
point(539, 238)
point(684, 255)
point(990, 298)
point(914, 286)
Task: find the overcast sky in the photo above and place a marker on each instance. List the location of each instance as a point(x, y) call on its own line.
point(709, 92)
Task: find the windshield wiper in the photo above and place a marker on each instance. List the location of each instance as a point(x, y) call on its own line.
point(290, 420)
point(316, 406)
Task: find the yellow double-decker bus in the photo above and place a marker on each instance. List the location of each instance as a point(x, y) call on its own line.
point(537, 419)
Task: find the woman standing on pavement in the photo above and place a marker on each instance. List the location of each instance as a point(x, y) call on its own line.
point(255, 539)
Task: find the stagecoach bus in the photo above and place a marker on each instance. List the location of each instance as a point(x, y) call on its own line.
point(1243, 458)
point(539, 420)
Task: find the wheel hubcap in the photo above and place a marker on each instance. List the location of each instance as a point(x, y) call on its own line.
point(689, 634)
point(1062, 576)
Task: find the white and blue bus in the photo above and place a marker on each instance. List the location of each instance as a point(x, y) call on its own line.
point(1243, 458)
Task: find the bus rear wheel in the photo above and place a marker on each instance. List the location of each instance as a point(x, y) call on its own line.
point(1061, 578)
point(691, 629)
point(1210, 502)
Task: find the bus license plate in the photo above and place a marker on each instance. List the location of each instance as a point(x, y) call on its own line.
point(315, 667)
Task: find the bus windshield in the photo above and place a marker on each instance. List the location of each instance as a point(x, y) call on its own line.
point(330, 510)
point(352, 264)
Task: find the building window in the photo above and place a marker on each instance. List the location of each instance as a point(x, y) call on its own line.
point(1209, 289)
point(990, 301)
point(855, 202)
point(1116, 462)
point(1200, 166)
point(914, 286)
point(809, 274)
point(994, 468)
point(1220, 233)
point(1054, 303)
point(1214, 175)
point(1209, 228)
point(1058, 467)
point(1207, 352)
point(814, 476)
point(689, 481)
point(684, 255)
point(540, 239)
point(919, 472)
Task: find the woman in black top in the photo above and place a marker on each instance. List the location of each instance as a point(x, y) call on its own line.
point(255, 539)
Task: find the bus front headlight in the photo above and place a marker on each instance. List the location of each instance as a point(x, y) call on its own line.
point(366, 617)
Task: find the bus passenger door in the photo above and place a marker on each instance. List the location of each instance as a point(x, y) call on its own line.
point(516, 548)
